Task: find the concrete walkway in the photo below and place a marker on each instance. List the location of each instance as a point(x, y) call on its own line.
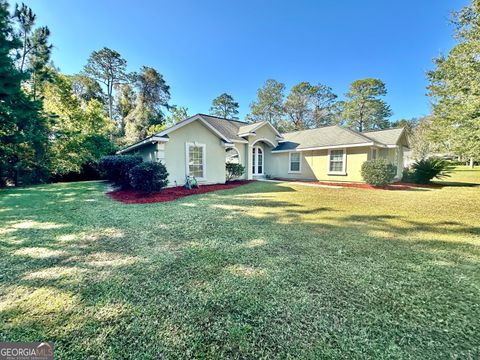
point(302, 183)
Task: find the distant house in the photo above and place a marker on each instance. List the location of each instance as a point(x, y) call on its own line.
point(201, 145)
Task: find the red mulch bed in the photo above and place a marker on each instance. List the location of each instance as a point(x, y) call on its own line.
point(393, 186)
point(169, 194)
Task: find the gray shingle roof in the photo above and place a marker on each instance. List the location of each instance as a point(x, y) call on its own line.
point(248, 128)
point(387, 137)
point(228, 128)
point(321, 137)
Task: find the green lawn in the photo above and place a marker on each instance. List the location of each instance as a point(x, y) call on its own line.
point(262, 271)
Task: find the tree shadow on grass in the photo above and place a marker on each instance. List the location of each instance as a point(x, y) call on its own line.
point(278, 279)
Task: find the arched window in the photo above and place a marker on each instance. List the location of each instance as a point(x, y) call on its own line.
point(232, 156)
point(257, 160)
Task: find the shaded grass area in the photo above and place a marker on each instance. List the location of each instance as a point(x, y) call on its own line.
point(261, 271)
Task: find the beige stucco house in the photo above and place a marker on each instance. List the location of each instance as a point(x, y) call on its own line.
point(201, 145)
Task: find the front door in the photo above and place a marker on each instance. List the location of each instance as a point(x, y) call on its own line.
point(257, 161)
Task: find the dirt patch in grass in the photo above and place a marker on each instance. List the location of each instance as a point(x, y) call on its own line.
point(169, 194)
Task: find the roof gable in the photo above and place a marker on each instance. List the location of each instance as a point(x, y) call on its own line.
point(251, 128)
point(220, 132)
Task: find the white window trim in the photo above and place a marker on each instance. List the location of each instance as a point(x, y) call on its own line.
point(238, 153)
point(255, 154)
point(290, 171)
point(187, 159)
point(344, 163)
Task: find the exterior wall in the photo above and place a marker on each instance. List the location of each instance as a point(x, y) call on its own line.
point(242, 150)
point(175, 153)
point(147, 152)
point(395, 156)
point(314, 165)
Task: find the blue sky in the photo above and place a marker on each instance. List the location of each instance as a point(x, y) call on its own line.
point(204, 48)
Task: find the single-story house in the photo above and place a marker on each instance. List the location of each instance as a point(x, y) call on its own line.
point(201, 145)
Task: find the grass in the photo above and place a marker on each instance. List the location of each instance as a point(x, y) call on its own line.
point(462, 175)
point(261, 271)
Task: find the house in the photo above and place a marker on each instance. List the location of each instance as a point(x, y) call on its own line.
point(201, 145)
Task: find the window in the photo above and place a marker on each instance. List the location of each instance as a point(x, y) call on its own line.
point(196, 160)
point(374, 154)
point(257, 160)
point(294, 161)
point(336, 163)
point(232, 156)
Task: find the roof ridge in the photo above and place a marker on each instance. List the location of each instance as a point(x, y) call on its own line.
point(221, 118)
point(396, 128)
point(355, 132)
point(318, 128)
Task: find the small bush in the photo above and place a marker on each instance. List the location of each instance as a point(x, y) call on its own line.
point(234, 171)
point(423, 171)
point(117, 168)
point(149, 176)
point(378, 172)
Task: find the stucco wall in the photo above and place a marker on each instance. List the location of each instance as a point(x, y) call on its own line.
point(265, 132)
point(147, 152)
point(242, 150)
point(175, 153)
point(315, 165)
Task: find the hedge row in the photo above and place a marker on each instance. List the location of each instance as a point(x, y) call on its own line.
point(129, 171)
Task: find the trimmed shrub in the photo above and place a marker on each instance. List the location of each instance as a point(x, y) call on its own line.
point(234, 171)
point(117, 168)
point(149, 176)
point(378, 172)
point(423, 171)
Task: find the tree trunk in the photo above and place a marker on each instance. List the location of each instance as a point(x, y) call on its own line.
point(24, 53)
point(471, 163)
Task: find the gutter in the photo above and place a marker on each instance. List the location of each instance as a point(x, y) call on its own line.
point(152, 139)
point(330, 147)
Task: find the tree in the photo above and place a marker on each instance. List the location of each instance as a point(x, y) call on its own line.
point(152, 99)
point(419, 138)
point(81, 130)
point(324, 101)
point(23, 126)
point(269, 103)
point(86, 88)
point(408, 124)
point(35, 51)
point(455, 88)
point(364, 109)
point(125, 103)
point(309, 106)
point(109, 68)
point(224, 106)
point(298, 106)
point(177, 114)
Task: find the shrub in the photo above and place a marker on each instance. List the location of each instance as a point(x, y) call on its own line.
point(423, 171)
point(378, 172)
point(234, 171)
point(149, 176)
point(117, 168)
